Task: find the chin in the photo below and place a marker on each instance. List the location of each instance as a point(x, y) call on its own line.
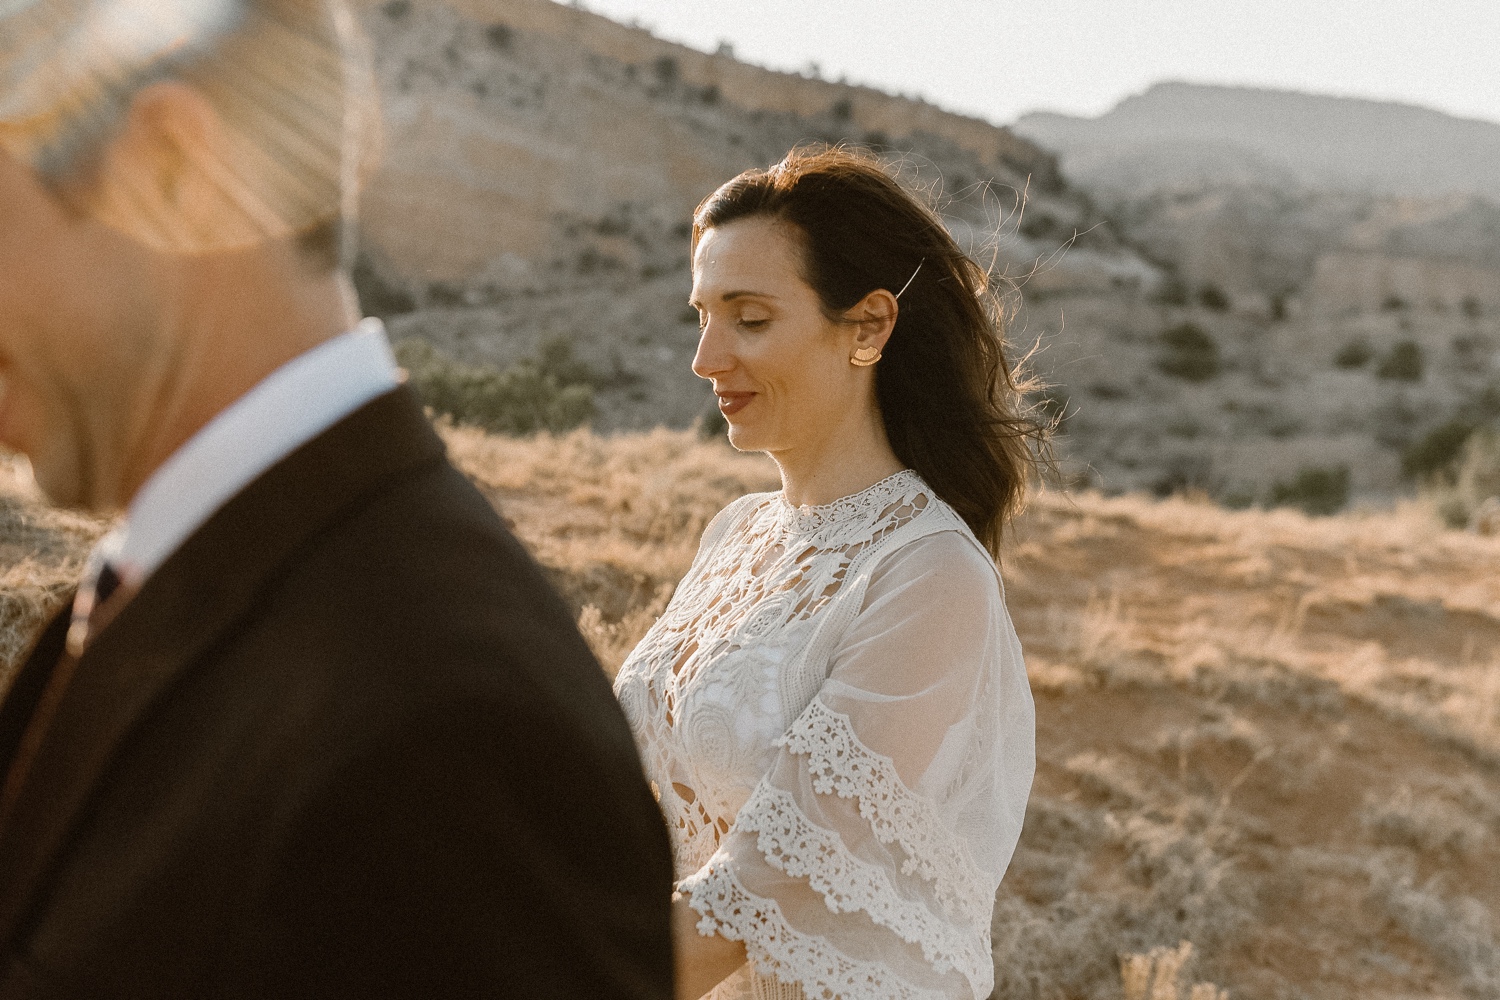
point(743, 438)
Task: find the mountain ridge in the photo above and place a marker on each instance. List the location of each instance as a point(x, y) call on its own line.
point(1316, 140)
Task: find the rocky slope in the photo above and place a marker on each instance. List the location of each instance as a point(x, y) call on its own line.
point(542, 164)
point(1336, 203)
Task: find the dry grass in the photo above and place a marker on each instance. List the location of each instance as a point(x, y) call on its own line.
point(41, 555)
point(1274, 737)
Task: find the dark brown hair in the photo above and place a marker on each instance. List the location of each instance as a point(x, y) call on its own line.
point(951, 404)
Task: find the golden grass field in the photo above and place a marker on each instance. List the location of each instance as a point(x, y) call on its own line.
point(1273, 737)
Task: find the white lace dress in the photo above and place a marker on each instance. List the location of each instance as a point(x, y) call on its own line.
point(834, 715)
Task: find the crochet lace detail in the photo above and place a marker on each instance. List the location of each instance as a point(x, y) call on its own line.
point(793, 844)
point(780, 952)
point(841, 765)
point(744, 612)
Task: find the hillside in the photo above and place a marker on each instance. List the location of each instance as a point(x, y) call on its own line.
point(1275, 737)
point(521, 132)
point(1330, 203)
point(542, 162)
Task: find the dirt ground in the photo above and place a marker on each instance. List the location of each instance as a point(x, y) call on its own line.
point(1272, 736)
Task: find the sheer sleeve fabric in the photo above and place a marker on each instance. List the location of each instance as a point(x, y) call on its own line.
point(864, 865)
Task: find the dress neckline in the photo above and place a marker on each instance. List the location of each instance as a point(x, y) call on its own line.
point(808, 517)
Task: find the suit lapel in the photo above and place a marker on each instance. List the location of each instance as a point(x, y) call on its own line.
point(199, 595)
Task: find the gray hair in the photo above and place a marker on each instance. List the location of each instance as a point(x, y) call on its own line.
point(289, 79)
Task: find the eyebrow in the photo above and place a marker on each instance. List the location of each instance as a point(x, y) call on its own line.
point(731, 296)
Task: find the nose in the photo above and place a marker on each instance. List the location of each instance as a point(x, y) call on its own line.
point(715, 355)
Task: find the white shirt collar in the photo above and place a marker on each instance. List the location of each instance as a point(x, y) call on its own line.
point(293, 405)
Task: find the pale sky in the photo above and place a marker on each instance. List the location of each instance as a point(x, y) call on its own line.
point(1001, 59)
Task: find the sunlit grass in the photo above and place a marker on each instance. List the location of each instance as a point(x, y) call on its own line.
point(1276, 737)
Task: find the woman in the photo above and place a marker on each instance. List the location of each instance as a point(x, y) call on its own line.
point(833, 710)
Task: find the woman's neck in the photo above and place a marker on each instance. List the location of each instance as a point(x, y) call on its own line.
point(837, 465)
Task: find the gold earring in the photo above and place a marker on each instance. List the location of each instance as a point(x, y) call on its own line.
point(864, 357)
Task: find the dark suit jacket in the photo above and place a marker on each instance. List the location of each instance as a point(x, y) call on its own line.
point(346, 742)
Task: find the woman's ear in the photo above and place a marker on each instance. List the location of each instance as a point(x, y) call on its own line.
point(166, 179)
point(874, 317)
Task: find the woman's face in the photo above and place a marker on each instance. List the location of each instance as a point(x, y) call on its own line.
point(779, 366)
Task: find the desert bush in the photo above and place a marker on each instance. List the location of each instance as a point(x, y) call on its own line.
point(1403, 363)
point(1437, 451)
point(1458, 490)
point(1189, 353)
point(1461, 933)
point(666, 70)
point(500, 36)
point(1211, 296)
point(1155, 975)
point(1472, 308)
point(1422, 823)
point(1355, 354)
point(554, 393)
point(1318, 491)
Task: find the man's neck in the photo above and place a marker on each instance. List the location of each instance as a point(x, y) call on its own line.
point(238, 318)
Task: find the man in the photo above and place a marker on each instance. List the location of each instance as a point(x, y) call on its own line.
point(314, 726)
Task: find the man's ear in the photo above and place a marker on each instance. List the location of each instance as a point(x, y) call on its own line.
point(875, 318)
point(166, 178)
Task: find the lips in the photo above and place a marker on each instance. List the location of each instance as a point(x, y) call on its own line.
point(731, 403)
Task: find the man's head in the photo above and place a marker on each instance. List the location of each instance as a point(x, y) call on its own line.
point(168, 169)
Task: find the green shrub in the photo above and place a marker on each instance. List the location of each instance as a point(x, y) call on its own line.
point(1318, 491)
point(666, 71)
point(1404, 363)
point(1355, 354)
point(500, 36)
point(1211, 296)
point(554, 393)
point(1189, 353)
point(1469, 479)
point(1437, 451)
point(1472, 307)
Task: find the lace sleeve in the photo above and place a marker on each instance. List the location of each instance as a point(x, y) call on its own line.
point(864, 865)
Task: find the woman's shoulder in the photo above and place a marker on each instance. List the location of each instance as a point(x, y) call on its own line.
point(734, 514)
point(949, 550)
point(938, 535)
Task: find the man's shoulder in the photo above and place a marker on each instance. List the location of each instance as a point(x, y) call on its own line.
point(424, 586)
point(431, 554)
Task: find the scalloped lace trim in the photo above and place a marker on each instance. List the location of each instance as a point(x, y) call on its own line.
point(875, 497)
point(784, 954)
point(840, 764)
point(792, 843)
